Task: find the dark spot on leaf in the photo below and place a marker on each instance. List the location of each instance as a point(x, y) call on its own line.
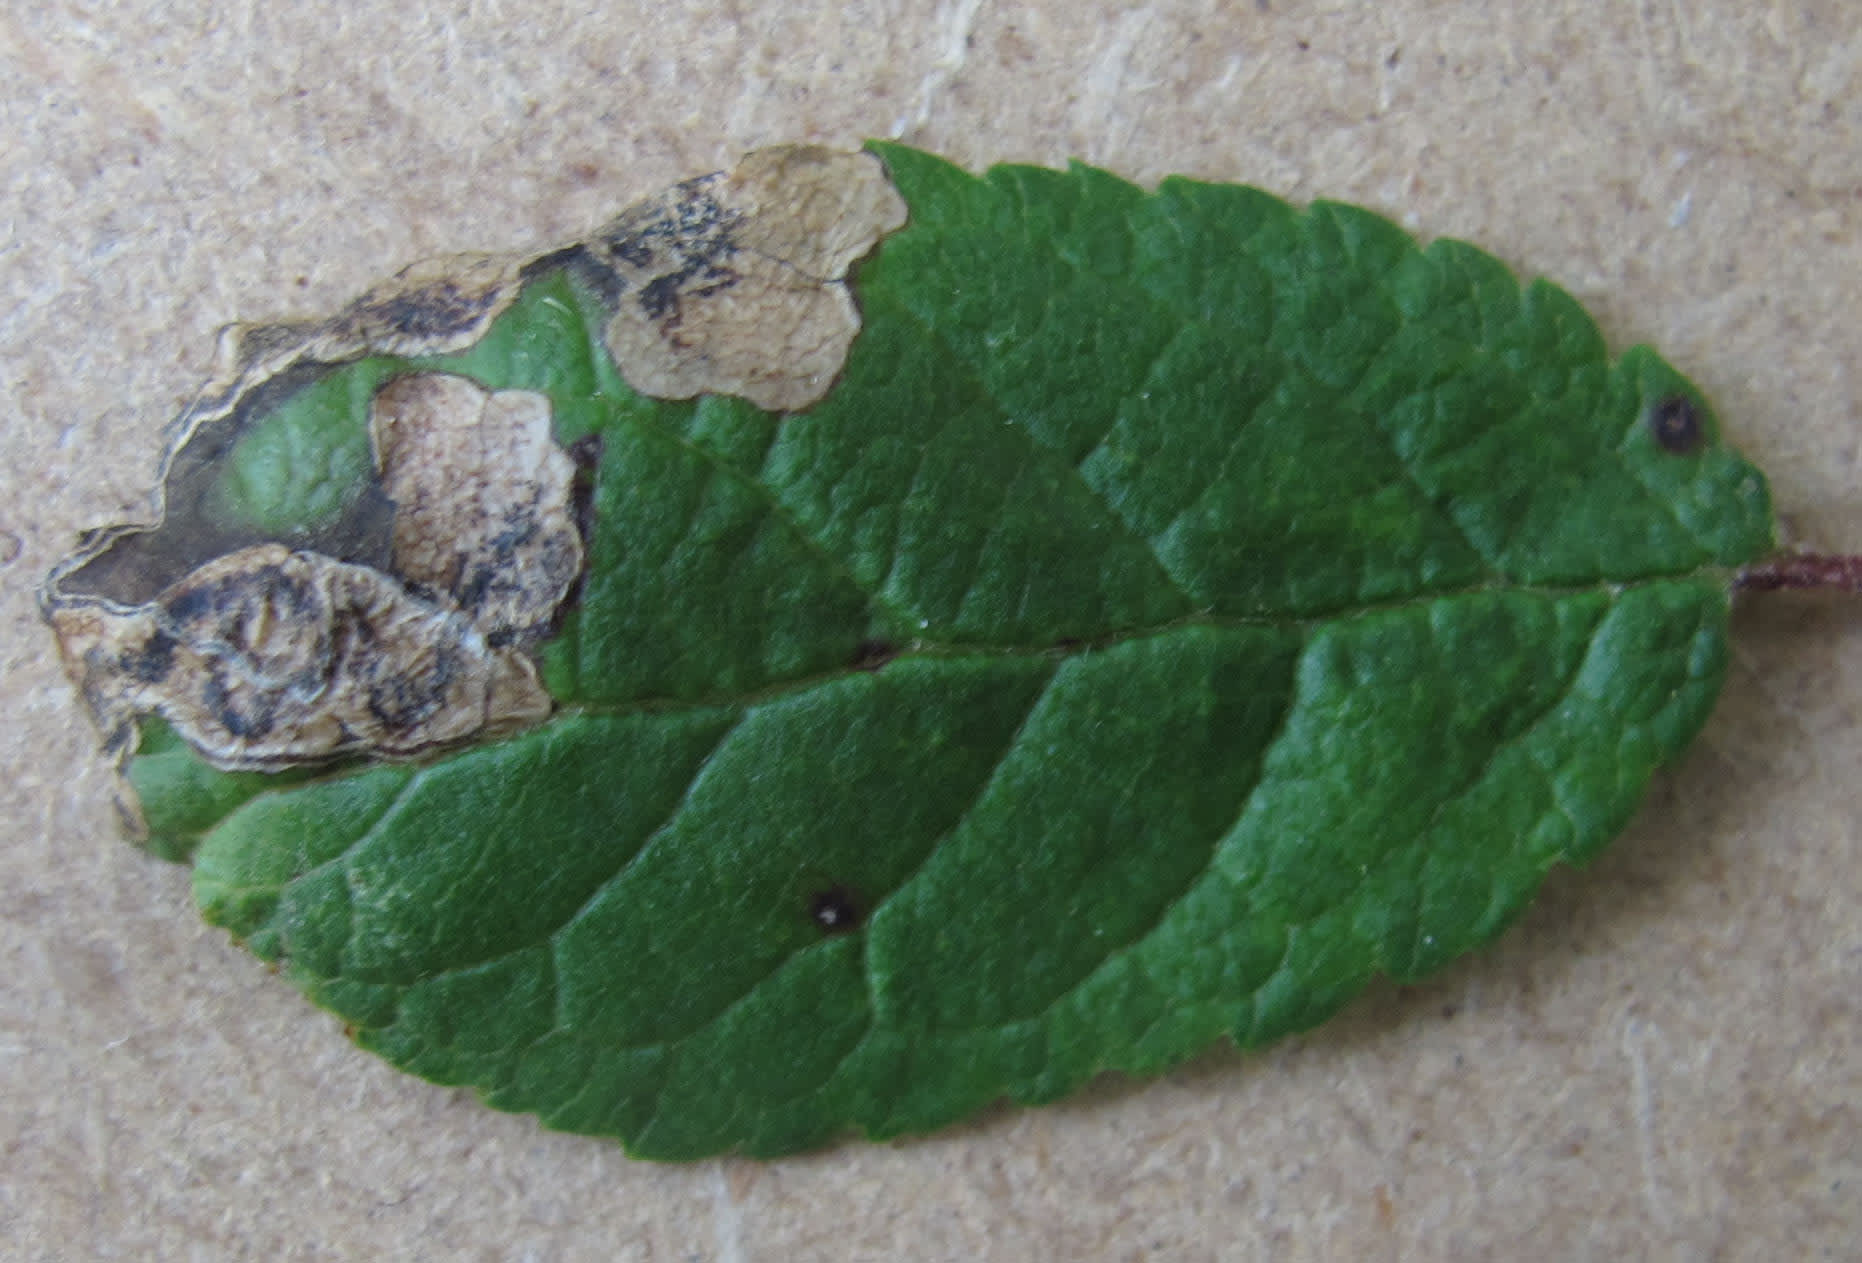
point(660, 298)
point(434, 311)
point(114, 744)
point(150, 663)
point(585, 453)
point(228, 601)
point(495, 574)
point(681, 243)
point(1675, 422)
point(836, 910)
point(476, 585)
point(245, 713)
point(191, 605)
point(405, 699)
point(874, 654)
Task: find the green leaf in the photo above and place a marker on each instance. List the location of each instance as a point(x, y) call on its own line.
point(1181, 609)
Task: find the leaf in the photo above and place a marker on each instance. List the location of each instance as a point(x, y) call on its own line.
point(1176, 610)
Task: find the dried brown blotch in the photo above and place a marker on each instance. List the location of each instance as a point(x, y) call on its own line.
point(266, 657)
point(261, 656)
point(427, 308)
point(432, 307)
point(736, 284)
point(483, 500)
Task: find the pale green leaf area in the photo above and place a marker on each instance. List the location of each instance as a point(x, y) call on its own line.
point(1183, 609)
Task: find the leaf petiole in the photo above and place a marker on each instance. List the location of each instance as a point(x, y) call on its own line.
point(1802, 571)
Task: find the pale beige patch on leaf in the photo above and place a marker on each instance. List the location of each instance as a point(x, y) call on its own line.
point(736, 284)
point(432, 307)
point(261, 656)
point(266, 657)
point(482, 499)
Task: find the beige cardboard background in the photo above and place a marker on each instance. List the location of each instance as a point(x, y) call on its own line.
point(1662, 1060)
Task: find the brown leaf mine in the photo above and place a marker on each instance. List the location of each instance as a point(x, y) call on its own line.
point(267, 657)
point(482, 500)
point(428, 308)
point(400, 619)
point(735, 284)
point(396, 628)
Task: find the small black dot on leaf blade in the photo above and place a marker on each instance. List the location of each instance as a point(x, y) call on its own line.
point(1675, 422)
point(836, 910)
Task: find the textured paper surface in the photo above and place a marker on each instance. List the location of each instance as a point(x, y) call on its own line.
point(1664, 1059)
